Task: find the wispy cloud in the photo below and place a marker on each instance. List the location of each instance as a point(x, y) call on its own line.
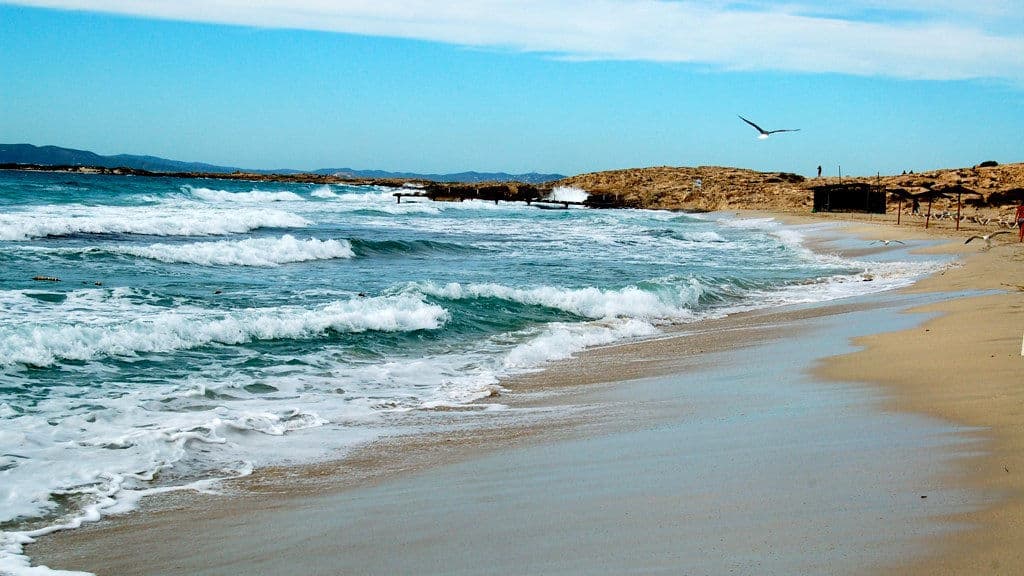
point(916, 39)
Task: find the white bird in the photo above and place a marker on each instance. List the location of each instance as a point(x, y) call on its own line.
point(887, 242)
point(987, 237)
point(766, 133)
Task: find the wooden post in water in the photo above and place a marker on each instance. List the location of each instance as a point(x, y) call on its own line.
point(928, 218)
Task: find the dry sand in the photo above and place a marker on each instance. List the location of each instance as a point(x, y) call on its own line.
point(963, 366)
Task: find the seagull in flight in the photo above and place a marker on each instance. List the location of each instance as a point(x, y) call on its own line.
point(766, 133)
point(887, 242)
point(987, 237)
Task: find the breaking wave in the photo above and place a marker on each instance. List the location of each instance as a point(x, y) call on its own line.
point(252, 252)
point(56, 221)
point(70, 332)
point(674, 303)
point(324, 191)
point(254, 196)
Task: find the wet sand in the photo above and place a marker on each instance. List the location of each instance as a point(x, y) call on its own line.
point(710, 452)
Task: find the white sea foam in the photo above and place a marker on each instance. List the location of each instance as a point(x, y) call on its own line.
point(250, 252)
point(629, 302)
point(871, 277)
point(701, 236)
point(788, 236)
point(118, 326)
point(253, 196)
point(99, 490)
point(559, 340)
point(44, 221)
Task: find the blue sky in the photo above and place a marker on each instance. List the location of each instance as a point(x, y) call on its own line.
point(569, 87)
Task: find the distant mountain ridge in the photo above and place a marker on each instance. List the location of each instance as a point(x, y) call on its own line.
point(58, 156)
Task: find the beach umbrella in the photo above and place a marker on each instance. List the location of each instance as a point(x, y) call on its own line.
point(902, 195)
point(959, 190)
point(930, 195)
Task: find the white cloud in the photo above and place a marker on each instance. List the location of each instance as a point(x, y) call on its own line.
point(919, 39)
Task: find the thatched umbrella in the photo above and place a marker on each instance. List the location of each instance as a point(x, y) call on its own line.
point(931, 195)
point(959, 190)
point(902, 195)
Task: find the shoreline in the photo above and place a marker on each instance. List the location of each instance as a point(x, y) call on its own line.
point(756, 326)
point(960, 365)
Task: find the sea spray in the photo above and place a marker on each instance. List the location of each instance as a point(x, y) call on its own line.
point(568, 194)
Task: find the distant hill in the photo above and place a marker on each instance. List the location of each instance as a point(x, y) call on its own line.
point(57, 156)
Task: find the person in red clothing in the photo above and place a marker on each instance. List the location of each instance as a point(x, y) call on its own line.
point(1020, 221)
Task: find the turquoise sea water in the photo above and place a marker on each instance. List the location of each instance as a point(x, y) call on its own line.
point(201, 328)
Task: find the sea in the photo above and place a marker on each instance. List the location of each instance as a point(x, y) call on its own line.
point(164, 333)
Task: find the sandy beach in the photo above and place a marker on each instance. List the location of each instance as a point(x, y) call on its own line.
point(880, 435)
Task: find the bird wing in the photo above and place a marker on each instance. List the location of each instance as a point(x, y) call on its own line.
point(759, 129)
point(973, 238)
point(898, 241)
point(998, 233)
point(785, 130)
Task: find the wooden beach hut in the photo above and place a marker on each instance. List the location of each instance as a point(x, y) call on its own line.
point(849, 197)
